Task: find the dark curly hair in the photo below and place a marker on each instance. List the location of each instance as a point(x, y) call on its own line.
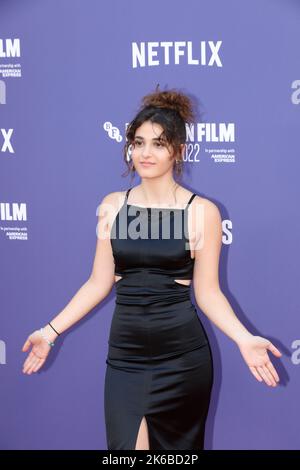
point(171, 109)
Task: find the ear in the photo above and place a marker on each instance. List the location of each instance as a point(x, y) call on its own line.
point(182, 149)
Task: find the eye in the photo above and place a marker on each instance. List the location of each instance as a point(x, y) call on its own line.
point(160, 144)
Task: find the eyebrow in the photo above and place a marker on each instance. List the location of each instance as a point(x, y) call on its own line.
point(140, 137)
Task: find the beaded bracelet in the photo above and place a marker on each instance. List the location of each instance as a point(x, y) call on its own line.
point(46, 339)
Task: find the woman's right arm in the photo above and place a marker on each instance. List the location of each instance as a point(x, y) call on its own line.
point(93, 291)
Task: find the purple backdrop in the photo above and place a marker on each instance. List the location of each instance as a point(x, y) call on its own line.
point(71, 69)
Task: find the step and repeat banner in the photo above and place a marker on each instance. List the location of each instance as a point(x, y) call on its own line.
point(72, 74)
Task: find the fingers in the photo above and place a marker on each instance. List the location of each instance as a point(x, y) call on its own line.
point(272, 370)
point(38, 365)
point(274, 350)
point(255, 373)
point(267, 376)
point(35, 363)
point(32, 363)
point(29, 357)
point(26, 345)
point(266, 373)
point(28, 363)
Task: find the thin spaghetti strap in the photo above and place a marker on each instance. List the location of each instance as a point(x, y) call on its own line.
point(190, 200)
point(127, 192)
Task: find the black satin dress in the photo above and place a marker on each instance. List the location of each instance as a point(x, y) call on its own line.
point(159, 362)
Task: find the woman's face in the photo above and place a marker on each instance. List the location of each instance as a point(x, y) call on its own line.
point(150, 156)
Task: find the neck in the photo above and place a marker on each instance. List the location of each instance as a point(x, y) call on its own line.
point(159, 190)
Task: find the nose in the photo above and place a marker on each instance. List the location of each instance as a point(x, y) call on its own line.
point(146, 153)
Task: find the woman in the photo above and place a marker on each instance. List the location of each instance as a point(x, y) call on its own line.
point(159, 372)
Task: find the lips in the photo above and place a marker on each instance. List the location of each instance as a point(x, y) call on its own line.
point(147, 163)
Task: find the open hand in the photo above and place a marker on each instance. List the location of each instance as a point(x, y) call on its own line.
point(254, 351)
point(38, 354)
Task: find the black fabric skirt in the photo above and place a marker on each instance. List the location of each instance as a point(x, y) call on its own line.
point(159, 366)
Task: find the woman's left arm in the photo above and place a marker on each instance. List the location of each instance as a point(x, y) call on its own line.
point(213, 302)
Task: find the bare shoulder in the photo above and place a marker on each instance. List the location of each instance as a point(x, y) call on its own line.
point(199, 202)
point(210, 209)
point(109, 207)
point(206, 219)
point(114, 198)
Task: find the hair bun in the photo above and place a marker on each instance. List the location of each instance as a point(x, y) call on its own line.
point(171, 99)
